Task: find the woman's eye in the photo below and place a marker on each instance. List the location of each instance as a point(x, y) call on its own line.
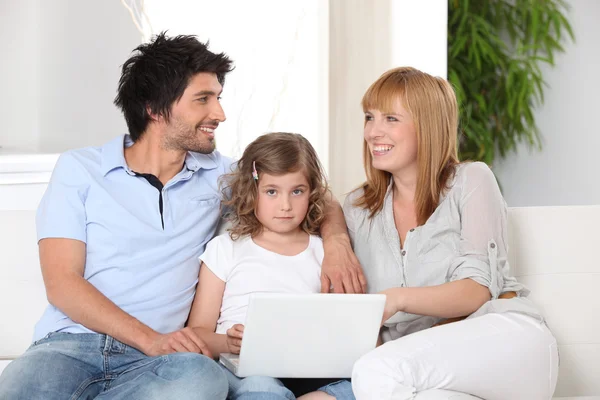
point(392, 119)
point(368, 118)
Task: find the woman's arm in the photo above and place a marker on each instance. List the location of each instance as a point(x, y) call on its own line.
point(206, 309)
point(474, 276)
point(449, 300)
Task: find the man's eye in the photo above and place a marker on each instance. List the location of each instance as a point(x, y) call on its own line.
point(203, 99)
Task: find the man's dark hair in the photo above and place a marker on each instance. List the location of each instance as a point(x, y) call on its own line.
point(156, 76)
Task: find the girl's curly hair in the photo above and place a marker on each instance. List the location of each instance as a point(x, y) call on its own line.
point(274, 153)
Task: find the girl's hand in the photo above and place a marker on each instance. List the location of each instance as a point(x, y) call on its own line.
point(234, 338)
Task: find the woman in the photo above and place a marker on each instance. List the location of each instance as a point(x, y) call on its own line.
point(431, 233)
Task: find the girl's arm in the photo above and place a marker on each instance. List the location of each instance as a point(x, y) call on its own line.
point(206, 309)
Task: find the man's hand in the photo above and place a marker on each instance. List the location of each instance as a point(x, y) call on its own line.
point(234, 338)
point(341, 271)
point(182, 341)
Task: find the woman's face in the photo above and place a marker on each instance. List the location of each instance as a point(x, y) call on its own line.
point(391, 139)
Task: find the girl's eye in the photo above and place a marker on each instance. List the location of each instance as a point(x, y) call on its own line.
point(297, 192)
point(271, 192)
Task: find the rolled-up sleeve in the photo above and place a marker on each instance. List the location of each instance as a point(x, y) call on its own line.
point(61, 212)
point(483, 242)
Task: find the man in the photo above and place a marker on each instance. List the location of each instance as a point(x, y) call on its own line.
point(120, 229)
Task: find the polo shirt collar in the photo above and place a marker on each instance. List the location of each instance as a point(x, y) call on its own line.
point(113, 156)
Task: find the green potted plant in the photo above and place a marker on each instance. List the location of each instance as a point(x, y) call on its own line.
point(495, 50)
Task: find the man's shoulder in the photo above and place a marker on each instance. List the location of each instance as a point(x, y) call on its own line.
point(90, 155)
point(80, 162)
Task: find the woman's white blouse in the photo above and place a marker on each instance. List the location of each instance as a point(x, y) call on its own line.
point(465, 238)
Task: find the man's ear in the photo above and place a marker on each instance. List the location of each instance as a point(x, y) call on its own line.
point(156, 117)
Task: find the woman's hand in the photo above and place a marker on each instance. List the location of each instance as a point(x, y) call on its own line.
point(392, 300)
point(234, 338)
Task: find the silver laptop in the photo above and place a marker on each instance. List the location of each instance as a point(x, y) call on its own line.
point(306, 336)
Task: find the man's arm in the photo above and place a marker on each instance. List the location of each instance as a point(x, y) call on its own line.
point(341, 269)
point(63, 262)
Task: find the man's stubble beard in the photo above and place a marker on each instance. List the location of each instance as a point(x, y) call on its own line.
point(183, 138)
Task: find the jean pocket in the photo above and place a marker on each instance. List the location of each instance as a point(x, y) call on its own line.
point(44, 339)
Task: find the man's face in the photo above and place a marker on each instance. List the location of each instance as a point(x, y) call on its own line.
point(195, 116)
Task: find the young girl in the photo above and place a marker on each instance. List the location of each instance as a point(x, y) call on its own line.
point(277, 196)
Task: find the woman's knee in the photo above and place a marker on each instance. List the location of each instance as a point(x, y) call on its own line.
point(371, 366)
point(383, 377)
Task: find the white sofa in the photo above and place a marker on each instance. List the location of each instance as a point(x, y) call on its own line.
point(553, 251)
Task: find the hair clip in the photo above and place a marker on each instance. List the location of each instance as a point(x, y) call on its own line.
point(254, 173)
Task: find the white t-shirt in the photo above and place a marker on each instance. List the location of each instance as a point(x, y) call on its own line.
point(247, 268)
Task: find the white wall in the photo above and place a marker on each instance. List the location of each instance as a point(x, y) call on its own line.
point(299, 65)
point(59, 72)
point(19, 81)
point(368, 37)
point(566, 171)
point(82, 46)
point(280, 52)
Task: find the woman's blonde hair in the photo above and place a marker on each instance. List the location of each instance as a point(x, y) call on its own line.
point(431, 103)
point(276, 154)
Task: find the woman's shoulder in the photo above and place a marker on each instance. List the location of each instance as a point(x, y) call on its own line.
point(353, 213)
point(472, 174)
point(351, 198)
point(473, 169)
point(475, 179)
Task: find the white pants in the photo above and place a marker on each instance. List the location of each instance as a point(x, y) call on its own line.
point(503, 356)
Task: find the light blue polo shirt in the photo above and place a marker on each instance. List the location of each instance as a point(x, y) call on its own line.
point(148, 271)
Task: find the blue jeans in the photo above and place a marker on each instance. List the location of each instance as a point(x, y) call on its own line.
point(267, 388)
point(65, 366)
point(341, 390)
point(256, 388)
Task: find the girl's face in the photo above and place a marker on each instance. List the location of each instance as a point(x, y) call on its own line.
point(282, 201)
point(392, 139)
